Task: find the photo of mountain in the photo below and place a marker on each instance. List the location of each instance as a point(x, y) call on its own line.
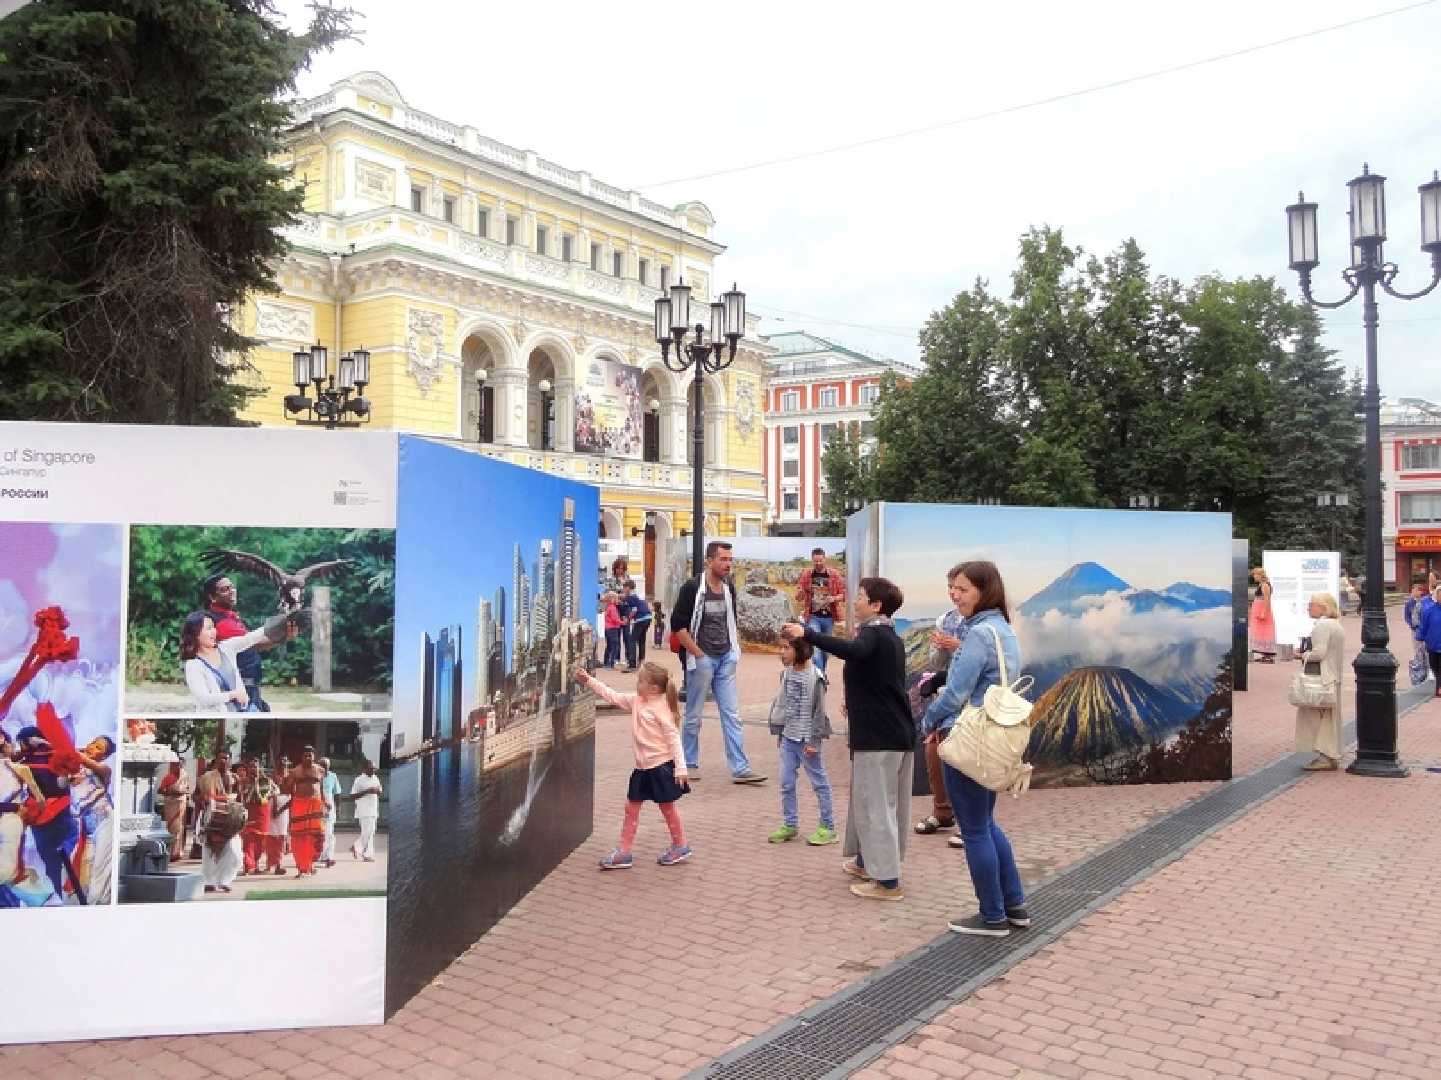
point(1123, 620)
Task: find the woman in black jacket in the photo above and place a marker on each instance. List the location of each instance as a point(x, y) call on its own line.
point(882, 736)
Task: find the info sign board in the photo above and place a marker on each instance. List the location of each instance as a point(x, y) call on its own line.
point(1295, 577)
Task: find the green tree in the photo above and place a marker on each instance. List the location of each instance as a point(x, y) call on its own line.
point(848, 478)
point(950, 435)
point(141, 201)
point(1317, 439)
point(1094, 381)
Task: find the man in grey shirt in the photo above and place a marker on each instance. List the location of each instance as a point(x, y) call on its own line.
point(703, 619)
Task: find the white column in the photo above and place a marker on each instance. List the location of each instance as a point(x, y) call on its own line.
point(510, 406)
point(674, 430)
point(715, 437)
point(565, 415)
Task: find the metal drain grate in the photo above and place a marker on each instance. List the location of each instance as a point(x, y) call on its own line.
point(855, 1026)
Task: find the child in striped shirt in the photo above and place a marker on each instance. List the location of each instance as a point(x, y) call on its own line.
point(798, 719)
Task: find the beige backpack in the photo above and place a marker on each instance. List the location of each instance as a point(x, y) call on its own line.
point(988, 741)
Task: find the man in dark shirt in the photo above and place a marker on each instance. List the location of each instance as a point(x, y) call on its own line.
point(221, 604)
point(703, 619)
point(882, 736)
point(821, 592)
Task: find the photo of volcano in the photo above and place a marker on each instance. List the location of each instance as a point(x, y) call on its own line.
point(1124, 621)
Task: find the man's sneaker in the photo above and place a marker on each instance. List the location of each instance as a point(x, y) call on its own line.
point(874, 890)
point(850, 866)
point(750, 776)
point(673, 855)
point(692, 773)
point(1018, 917)
point(822, 836)
point(784, 833)
point(974, 924)
point(618, 860)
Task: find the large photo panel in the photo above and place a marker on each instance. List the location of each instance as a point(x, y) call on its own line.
point(1124, 621)
point(76, 496)
point(492, 745)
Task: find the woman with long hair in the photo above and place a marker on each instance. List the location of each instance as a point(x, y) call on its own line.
point(980, 597)
point(211, 673)
point(1262, 620)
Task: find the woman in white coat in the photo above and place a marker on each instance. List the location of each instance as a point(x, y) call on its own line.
point(1319, 730)
point(210, 670)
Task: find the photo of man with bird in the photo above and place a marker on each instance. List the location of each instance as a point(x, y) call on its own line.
point(219, 621)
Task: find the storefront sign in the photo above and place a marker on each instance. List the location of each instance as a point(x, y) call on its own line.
point(1418, 542)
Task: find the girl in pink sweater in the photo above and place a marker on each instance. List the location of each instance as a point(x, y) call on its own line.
point(659, 774)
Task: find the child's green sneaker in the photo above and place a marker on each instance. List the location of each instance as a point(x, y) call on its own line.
point(822, 836)
point(784, 833)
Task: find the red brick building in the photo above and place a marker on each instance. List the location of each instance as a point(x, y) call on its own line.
point(814, 385)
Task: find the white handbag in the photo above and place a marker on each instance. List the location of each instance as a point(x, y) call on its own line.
point(988, 741)
point(1308, 691)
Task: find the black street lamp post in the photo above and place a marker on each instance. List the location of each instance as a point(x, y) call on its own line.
point(1376, 753)
point(337, 397)
point(704, 357)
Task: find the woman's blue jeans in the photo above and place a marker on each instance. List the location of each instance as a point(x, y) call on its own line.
point(988, 852)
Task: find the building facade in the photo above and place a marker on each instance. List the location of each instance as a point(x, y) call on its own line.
point(1411, 488)
point(504, 299)
point(814, 386)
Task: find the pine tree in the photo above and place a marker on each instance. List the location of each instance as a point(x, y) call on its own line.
point(1317, 447)
point(141, 201)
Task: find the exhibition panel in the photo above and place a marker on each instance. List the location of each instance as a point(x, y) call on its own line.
point(1124, 621)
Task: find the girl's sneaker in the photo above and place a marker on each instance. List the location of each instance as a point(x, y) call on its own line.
point(617, 860)
point(784, 833)
point(822, 836)
point(673, 855)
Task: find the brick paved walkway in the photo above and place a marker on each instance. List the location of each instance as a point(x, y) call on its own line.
point(656, 971)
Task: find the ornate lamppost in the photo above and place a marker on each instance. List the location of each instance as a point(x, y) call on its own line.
point(1376, 753)
point(337, 396)
point(704, 357)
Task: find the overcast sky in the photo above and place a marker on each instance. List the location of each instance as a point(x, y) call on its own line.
point(862, 245)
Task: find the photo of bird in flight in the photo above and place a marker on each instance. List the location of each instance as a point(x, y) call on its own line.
point(291, 586)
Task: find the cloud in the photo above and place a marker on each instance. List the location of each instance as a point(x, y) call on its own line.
point(1111, 634)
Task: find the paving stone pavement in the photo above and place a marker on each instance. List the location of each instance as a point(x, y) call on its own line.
point(1253, 945)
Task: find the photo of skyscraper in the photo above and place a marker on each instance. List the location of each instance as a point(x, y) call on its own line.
point(493, 743)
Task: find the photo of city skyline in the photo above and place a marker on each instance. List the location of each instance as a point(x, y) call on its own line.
point(493, 748)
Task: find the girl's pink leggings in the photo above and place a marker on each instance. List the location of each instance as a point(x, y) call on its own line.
point(632, 820)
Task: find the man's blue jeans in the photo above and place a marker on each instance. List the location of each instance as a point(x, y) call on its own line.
point(714, 675)
point(793, 759)
point(821, 624)
point(988, 852)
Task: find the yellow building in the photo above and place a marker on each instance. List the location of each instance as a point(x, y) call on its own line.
point(494, 289)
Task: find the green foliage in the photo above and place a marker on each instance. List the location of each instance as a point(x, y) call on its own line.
point(139, 201)
point(166, 573)
point(1095, 381)
point(847, 473)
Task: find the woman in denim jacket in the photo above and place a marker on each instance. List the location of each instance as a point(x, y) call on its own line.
point(980, 597)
